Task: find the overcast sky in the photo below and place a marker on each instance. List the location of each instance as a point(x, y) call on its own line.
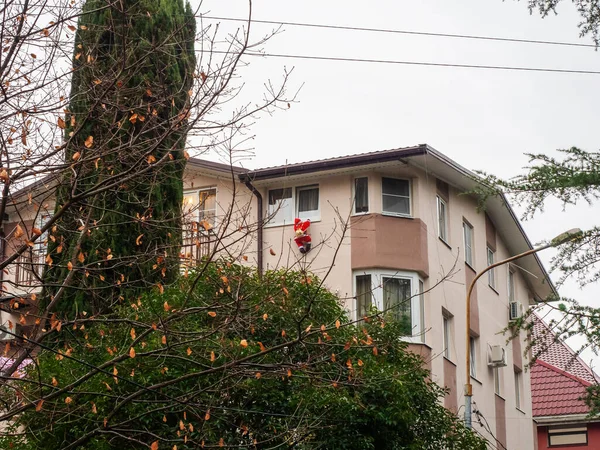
point(483, 119)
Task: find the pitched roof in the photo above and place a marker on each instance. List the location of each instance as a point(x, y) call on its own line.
point(559, 378)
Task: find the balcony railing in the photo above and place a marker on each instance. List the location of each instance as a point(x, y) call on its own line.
point(197, 244)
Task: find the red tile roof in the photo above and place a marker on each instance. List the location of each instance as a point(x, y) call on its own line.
point(559, 378)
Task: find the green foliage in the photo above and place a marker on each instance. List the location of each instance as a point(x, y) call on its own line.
point(237, 360)
point(125, 134)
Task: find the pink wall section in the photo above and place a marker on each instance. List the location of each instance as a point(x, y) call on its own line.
point(593, 439)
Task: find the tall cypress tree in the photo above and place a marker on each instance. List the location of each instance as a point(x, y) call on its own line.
point(125, 132)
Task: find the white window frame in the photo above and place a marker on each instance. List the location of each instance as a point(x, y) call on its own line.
point(511, 286)
point(491, 272)
point(473, 343)
point(567, 436)
point(417, 300)
point(315, 217)
point(469, 254)
point(410, 196)
point(359, 213)
point(447, 334)
point(195, 194)
point(518, 389)
point(442, 228)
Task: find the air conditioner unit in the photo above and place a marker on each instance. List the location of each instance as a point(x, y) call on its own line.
point(497, 356)
point(515, 310)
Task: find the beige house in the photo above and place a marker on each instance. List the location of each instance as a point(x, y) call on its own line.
point(392, 230)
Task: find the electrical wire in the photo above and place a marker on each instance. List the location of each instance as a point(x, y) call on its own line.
point(407, 32)
point(416, 63)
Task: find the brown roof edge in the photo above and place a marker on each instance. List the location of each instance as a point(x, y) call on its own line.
point(334, 163)
point(219, 167)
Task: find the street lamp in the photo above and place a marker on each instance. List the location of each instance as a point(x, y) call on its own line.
point(567, 236)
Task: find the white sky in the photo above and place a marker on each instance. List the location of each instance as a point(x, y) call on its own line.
point(483, 119)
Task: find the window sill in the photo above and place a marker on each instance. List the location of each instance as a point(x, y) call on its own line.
point(291, 224)
point(475, 379)
point(521, 411)
point(400, 216)
point(494, 289)
point(361, 213)
point(470, 267)
point(499, 396)
point(444, 242)
point(450, 361)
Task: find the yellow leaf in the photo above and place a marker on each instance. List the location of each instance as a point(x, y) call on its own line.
point(70, 265)
point(262, 347)
point(166, 306)
point(360, 363)
point(224, 279)
point(164, 339)
point(59, 249)
point(133, 118)
point(78, 55)
point(18, 231)
point(221, 442)
point(132, 333)
point(212, 357)
point(181, 425)
point(375, 352)
point(97, 82)
point(38, 406)
point(282, 333)
point(61, 123)
point(151, 159)
point(258, 375)
point(212, 314)
point(107, 386)
point(105, 422)
point(272, 252)
point(245, 258)
point(36, 231)
point(265, 316)
point(164, 418)
point(33, 55)
point(81, 257)
point(289, 373)
point(71, 27)
point(244, 343)
point(49, 260)
point(138, 240)
point(83, 27)
point(337, 323)
point(94, 409)
point(285, 291)
point(54, 382)
point(132, 352)
point(154, 446)
point(189, 351)
point(89, 142)
point(68, 400)
point(76, 156)
point(207, 415)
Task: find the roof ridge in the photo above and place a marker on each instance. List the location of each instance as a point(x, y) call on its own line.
point(563, 373)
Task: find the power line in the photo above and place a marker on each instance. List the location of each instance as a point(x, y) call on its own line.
point(408, 32)
point(417, 63)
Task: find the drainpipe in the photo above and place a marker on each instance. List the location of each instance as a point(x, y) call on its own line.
point(259, 237)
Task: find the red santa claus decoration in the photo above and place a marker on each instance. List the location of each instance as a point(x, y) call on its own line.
point(302, 239)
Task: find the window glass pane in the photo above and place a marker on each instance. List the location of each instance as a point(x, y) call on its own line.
point(468, 240)
point(473, 353)
point(441, 218)
point(396, 205)
point(207, 205)
point(518, 389)
point(446, 337)
point(491, 272)
point(395, 187)
point(363, 295)
point(280, 205)
point(361, 195)
point(397, 301)
point(511, 286)
point(308, 201)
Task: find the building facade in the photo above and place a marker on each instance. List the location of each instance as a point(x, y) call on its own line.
point(394, 230)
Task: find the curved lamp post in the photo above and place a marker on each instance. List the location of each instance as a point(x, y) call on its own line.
point(567, 236)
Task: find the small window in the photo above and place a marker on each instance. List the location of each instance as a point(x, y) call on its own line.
point(396, 300)
point(468, 241)
point(491, 256)
point(395, 196)
point(280, 208)
point(207, 205)
point(363, 295)
point(473, 355)
point(447, 330)
point(442, 216)
point(361, 195)
point(497, 381)
point(518, 387)
point(511, 286)
point(559, 436)
point(307, 198)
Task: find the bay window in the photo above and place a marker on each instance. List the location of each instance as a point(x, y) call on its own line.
point(398, 294)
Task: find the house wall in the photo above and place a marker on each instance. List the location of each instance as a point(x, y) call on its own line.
point(593, 438)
